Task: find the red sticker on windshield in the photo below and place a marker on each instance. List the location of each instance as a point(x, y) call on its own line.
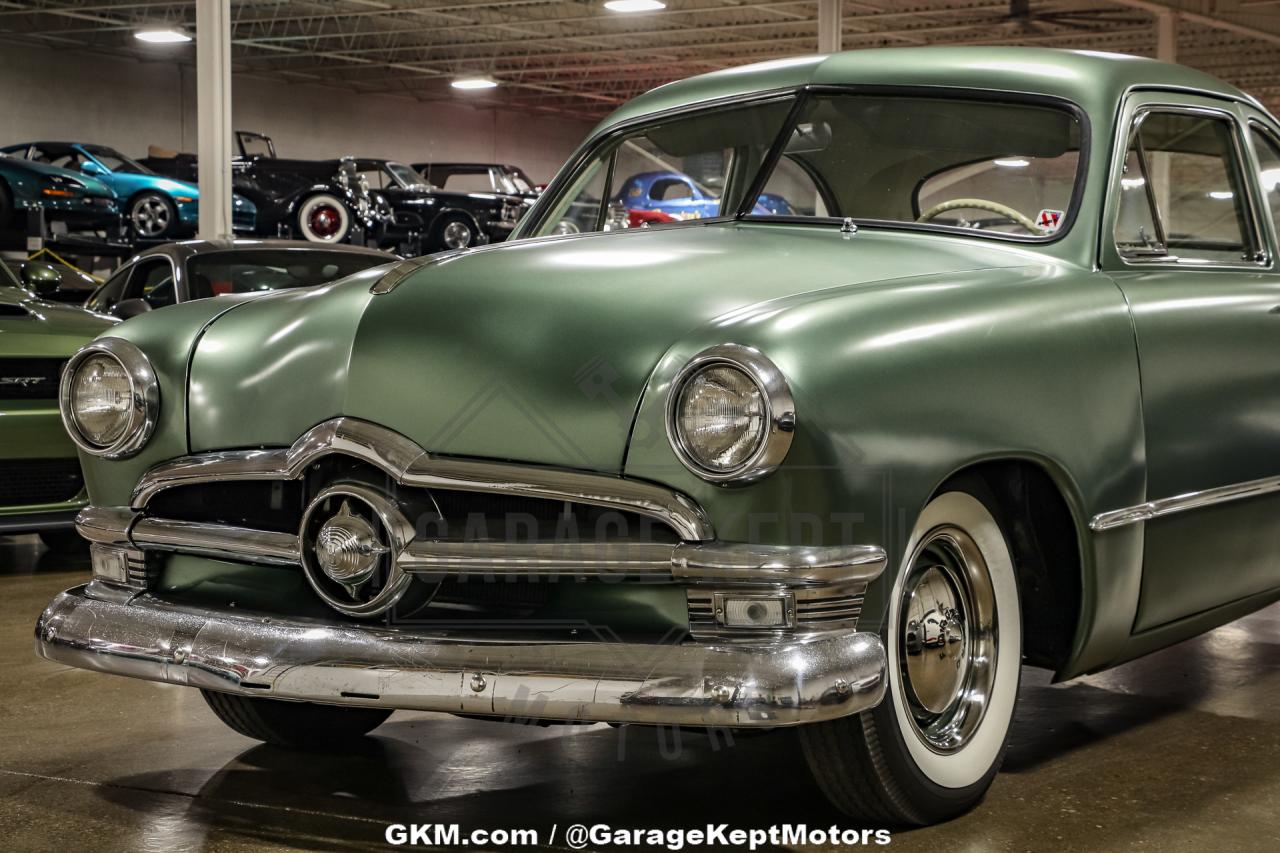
point(1049, 220)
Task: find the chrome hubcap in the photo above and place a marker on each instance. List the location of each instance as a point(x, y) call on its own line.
point(947, 639)
point(150, 217)
point(457, 235)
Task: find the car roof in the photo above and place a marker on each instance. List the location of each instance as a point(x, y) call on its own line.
point(185, 249)
point(1092, 79)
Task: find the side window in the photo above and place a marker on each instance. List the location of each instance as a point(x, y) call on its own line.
point(152, 280)
point(468, 182)
point(109, 294)
point(1269, 170)
point(1182, 193)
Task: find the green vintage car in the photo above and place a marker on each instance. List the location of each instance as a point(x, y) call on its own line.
point(1001, 390)
point(41, 487)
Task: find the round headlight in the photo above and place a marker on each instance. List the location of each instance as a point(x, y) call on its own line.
point(109, 398)
point(730, 415)
point(101, 400)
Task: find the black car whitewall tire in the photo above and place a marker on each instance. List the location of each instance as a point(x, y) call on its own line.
point(953, 637)
point(152, 215)
point(323, 218)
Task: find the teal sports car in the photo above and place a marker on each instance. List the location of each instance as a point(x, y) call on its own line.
point(1001, 390)
point(156, 207)
point(81, 202)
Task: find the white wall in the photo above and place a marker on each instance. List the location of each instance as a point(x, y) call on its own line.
point(130, 105)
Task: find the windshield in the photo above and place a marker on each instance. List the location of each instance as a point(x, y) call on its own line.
point(405, 176)
point(949, 162)
point(250, 270)
point(115, 161)
point(685, 168)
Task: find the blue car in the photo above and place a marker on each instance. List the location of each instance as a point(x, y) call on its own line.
point(681, 197)
point(157, 208)
point(80, 202)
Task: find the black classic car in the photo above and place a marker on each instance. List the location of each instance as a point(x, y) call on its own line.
point(321, 201)
point(498, 178)
point(434, 218)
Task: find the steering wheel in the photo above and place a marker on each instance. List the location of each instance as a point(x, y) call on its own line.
point(981, 204)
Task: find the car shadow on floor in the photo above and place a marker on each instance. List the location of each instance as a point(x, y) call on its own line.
point(1077, 752)
point(24, 555)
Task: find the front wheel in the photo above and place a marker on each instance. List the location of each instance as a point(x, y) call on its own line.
point(931, 749)
point(323, 218)
point(153, 216)
point(294, 725)
point(454, 232)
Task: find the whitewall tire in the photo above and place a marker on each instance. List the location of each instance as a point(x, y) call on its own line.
point(953, 637)
point(323, 218)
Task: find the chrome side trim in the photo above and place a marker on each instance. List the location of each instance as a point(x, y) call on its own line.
point(777, 683)
point(696, 563)
point(1183, 503)
point(410, 465)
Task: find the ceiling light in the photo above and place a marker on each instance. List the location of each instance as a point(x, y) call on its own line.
point(474, 83)
point(1012, 162)
point(1222, 195)
point(635, 5)
point(162, 36)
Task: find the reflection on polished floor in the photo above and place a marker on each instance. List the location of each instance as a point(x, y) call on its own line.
point(1174, 752)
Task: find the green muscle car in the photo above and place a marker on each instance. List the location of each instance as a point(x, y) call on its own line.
point(999, 389)
point(41, 487)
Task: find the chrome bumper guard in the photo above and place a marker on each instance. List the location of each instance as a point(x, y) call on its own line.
point(778, 683)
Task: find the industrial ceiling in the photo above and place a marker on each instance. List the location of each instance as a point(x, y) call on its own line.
point(575, 57)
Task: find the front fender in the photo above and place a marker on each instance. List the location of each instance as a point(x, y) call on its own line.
point(900, 384)
point(168, 339)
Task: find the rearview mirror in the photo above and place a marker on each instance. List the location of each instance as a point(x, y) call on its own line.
point(130, 308)
point(89, 167)
point(40, 278)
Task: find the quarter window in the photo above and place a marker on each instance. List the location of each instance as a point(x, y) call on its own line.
point(1269, 171)
point(1182, 193)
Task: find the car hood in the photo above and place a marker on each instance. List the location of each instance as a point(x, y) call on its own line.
point(536, 351)
point(31, 327)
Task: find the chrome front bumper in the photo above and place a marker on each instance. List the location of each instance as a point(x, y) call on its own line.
point(773, 683)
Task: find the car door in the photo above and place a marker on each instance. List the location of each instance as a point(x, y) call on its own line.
point(1193, 254)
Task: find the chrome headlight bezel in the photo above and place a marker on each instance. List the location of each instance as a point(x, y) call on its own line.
point(144, 398)
point(779, 413)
